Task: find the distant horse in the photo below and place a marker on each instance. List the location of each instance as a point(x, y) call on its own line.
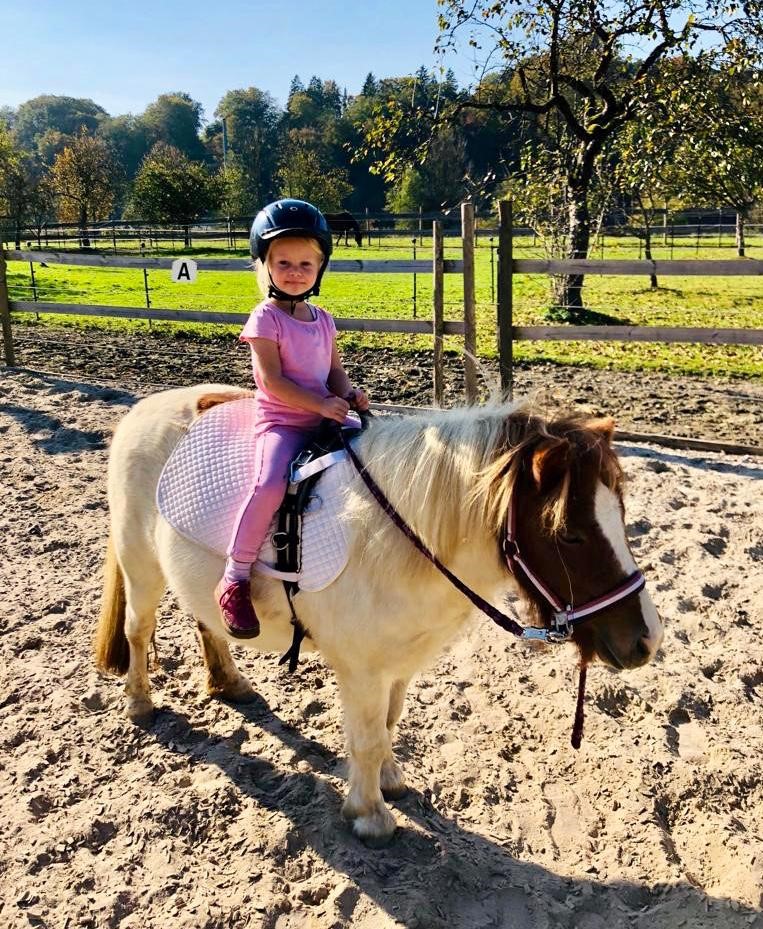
point(346, 223)
point(454, 477)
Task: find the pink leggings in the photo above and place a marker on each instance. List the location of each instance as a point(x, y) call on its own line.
point(273, 451)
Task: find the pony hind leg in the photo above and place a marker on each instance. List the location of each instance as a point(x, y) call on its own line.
point(392, 780)
point(365, 703)
point(141, 601)
point(223, 677)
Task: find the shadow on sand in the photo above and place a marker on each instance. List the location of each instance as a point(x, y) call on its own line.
point(484, 883)
point(49, 432)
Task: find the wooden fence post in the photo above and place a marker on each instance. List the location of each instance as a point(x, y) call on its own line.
point(505, 303)
point(438, 305)
point(470, 325)
point(5, 313)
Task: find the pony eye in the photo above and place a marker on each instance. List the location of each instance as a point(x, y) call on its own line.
point(570, 538)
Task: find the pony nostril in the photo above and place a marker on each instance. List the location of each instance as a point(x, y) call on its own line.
point(642, 651)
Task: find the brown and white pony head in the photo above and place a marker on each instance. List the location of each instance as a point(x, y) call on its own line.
point(565, 482)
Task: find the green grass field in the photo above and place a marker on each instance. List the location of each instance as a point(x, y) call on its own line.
point(730, 302)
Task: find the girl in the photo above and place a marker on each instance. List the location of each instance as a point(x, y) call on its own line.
point(300, 381)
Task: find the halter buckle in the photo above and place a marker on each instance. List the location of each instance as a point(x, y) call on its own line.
point(561, 630)
point(510, 550)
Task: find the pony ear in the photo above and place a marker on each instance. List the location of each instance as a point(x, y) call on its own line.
point(605, 426)
point(550, 463)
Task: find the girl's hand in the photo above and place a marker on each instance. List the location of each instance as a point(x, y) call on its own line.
point(335, 408)
point(358, 399)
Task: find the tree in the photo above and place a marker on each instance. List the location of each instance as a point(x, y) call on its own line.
point(699, 143)
point(26, 194)
point(85, 178)
point(130, 138)
point(65, 115)
point(304, 174)
point(296, 87)
point(170, 188)
point(235, 192)
point(645, 155)
point(175, 119)
point(7, 117)
point(437, 183)
point(368, 189)
point(252, 129)
point(568, 66)
point(370, 85)
point(718, 158)
point(50, 145)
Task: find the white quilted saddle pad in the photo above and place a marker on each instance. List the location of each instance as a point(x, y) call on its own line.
point(210, 472)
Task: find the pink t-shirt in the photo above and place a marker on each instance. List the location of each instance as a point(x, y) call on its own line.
point(305, 349)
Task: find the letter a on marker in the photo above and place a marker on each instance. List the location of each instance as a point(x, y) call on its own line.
point(184, 271)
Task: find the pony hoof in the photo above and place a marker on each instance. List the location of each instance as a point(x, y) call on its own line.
point(141, 713)
point(241, 692)
point(376, 830)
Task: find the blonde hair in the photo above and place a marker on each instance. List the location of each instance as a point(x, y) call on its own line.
point(261, 267)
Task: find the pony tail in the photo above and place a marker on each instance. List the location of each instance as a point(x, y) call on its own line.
point(111, 648)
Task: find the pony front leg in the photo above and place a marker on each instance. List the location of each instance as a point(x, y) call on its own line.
point(365, 699)
point(391, 779)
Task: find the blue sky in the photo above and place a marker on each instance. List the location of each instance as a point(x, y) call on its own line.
point(123, 55)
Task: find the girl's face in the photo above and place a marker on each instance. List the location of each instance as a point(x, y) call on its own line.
point(294, 265)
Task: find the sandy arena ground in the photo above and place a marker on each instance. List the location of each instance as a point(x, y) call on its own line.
point(224, 816)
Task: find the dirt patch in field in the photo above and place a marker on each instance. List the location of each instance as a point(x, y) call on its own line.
point(222, 816)
point(702, 408)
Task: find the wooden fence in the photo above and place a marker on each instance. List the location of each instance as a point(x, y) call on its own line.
point(508, 268)
point(438, 266)
point(508, 333)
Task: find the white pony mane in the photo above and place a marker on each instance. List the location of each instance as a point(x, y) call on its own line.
point(428, 467)
point(451, 475)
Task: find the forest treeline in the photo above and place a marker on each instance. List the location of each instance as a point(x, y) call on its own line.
point(67, 158)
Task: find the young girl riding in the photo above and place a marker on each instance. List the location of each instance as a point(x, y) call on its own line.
point(300, 381)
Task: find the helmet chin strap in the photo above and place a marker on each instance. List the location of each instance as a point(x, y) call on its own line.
point(292, 299)
point(279, 294)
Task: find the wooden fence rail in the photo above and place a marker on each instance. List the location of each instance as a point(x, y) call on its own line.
point(436, 327)
point(339, 266)
point(508, 268)
point(509, 333)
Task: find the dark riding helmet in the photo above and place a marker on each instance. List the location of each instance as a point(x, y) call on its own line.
point(290, 219)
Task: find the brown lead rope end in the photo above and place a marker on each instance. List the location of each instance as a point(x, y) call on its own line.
point(577, 729)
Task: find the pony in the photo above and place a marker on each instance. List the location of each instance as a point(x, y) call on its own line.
point(453, 477)
point(344, 223)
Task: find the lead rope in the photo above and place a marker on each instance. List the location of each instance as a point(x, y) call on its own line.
point(577, 727)
point(499, 618)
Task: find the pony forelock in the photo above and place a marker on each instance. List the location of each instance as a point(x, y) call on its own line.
point(524, 434)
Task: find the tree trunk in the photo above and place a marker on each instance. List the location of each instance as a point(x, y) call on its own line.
point(567, 289)
point(647, 218)
point(83, 239)
point(186, 236)
point(740, 235)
